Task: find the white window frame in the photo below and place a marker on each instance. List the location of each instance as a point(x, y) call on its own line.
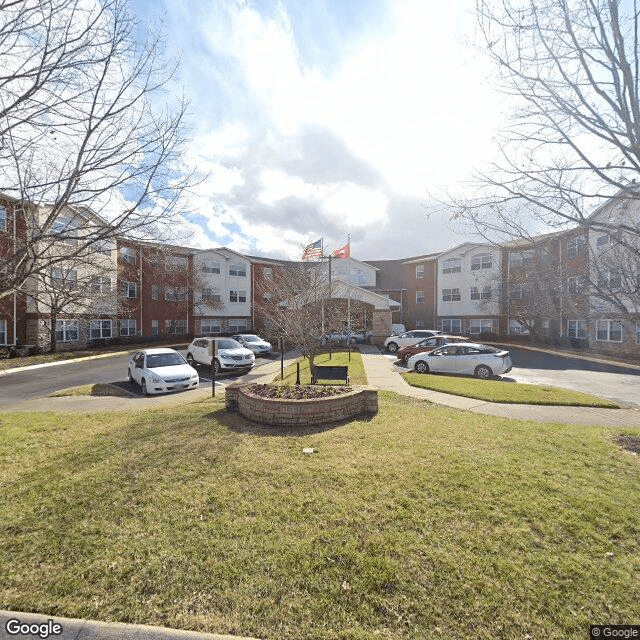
point(210, 326)
point(177, 261)
point(128, 255)
point(4, 222)
point(517, 329)
point(419, 297)
point(101, 284)
point(240, 296)
point(451, 295)
point(521, 258)
point(101, 327)
point(452, 265)
point(211, 295)
point(67, 278)
point(447, 325)
point(128, 327)
point(238, 325)
point(267, 273)
point(3, 332)
point(66, 328)
point(484, 325)
point(211, 266)
point(175, 294)
point(174, 328)
point(608, 331)
point(577, 328)
point(267, 297)
point(66, 227)
point(155, 292)
point(419, 271)
point(154, 328)
point(481, 261)
point(575, 284)
point(238, 270)
point(575, 246)
point(104, 246)
point(127, 288)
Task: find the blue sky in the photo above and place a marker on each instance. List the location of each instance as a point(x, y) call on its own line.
point(322, 118)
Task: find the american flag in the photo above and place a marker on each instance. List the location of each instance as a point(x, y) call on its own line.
point(313, 250)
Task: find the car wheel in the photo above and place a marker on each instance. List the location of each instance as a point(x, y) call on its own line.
point(190, 360)
point(482, 371)
point(422, 367)
point(143, 386)
point(392, 347)
point(406, 357)
point(129, 376)
point(216, 366)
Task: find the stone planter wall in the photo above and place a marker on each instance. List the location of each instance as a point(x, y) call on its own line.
point(281, 412)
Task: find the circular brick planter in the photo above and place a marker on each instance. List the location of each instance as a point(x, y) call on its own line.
point(300, 413)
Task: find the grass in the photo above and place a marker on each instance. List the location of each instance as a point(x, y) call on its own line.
point(502, 391)
point(422, 522)
point(357, 375)
point(91, 390)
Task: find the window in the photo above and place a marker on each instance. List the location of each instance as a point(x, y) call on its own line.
point(517, 328)
point(3, 223)
point(520, 291)
point(577, 328)
point(237, 296)
point(210, 266)
point(419, 297)
point(453, 265)
point(3, 332)
point(101, 284)
point(609, 330)
point(267, 297)
point(451, 295)
point(420, 271)
point(128, 255)
point(267, 272)
point(100, 329)
point(575, 246)
point(485, 294)
point(129, 289)
point(211, 295)
point(128, 327)
point(610, 279)
point(481, 261)
point(65, 230)
point(67, 330)
point(419, 324)
point(575, 284)
point(154, 260)
point(451, 325)
point(175, 294)
point(521, 258)
point(104, 246)
point(175, 326)
point(238, 270)
point(238, 325)
point(154, 327)
point(177, 262)
point(208, 326)
point(480, 326)
point(155, 292)
point(603, 240)
point(61, 278)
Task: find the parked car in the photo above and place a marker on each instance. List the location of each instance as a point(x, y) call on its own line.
point(259, 346)
point(231, 354)
point(428, 344)
point(408, 338)
point(479, 360)
point(397, 329)
point(161, 371)
point(343, 337)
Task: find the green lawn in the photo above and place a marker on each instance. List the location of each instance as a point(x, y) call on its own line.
point(357, 375)
point(421, 522)
point(502, 391)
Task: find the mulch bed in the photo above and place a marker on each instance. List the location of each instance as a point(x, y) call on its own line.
point(297, 392)
point(631, 443)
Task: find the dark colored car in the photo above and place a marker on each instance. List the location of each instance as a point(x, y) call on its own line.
point(427, 344)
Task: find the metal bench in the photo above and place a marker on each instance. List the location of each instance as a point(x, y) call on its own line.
point(327, 372)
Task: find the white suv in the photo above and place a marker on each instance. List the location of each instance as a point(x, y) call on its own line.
point(408, 338)
point(231, 354)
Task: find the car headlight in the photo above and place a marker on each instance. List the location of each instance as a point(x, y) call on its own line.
point(155, 379)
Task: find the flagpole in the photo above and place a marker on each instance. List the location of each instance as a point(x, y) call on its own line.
point(349, 281)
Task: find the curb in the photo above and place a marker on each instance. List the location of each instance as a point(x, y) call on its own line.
point(57, 628)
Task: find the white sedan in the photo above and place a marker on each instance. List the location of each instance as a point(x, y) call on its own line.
point(479, 360)
point(161, 370)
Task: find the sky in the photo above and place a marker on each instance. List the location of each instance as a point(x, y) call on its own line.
point(317, 119)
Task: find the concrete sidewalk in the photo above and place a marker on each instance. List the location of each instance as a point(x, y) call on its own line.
point(57, 628)
point(381, 373)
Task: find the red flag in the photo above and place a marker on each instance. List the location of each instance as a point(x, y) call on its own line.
point(342, 253)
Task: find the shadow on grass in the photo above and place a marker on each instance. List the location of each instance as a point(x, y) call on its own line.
point(240, 425)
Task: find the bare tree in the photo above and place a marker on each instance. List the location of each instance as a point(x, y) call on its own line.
point(571, 149)
point(82, 128)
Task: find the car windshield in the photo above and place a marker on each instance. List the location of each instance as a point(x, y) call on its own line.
point(252, 339)
point(228, 343)
point(164, 360)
